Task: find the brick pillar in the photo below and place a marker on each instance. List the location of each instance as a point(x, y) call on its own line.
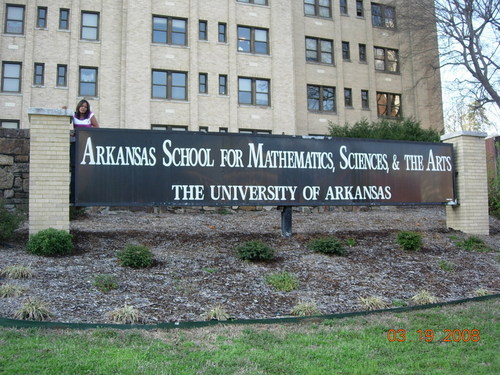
point(471, 214)
point(50, 175)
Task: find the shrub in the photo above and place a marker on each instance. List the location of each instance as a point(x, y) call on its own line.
point(327, 245)
point(136, 256)
point(50, 242)
point(16, 272)
point(282, 281)
point(305, 309)
point(423, 297)
point(409, 240)
point(255, 250)
point(9, 222)
point(473, 243)
point(446, 266)
point(33, 309)
point(105, 282)
point(126, 315)
point(218, 312)
point(11, 290)
point(481, 292)
point(373, 303)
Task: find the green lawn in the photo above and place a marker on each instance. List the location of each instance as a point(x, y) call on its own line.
point(357, 345)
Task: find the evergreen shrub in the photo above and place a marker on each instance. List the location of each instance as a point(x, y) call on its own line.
point(136, 256)
point(255, 250)
point(50, 242)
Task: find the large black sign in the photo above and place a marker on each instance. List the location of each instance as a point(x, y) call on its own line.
point(145, 167)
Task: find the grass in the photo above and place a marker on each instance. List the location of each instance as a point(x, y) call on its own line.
point(474, 244)
point(357, 345)
point(16, 271)
point(283, 281)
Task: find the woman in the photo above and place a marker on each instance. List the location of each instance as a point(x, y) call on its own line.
point(83, 116)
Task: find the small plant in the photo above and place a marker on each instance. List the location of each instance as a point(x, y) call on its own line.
point(473, 243)
point(105, 282)
point(224, 211)
point(423, 297)
point(50, 242)
point(16, 272)
point(409, 240)
point(136, 256)
point(33, 309)
point(481, 292)
point(327, 245)
point(255, 250)
point(373, 303)
point(210, 269)
point(351, 242)
point(399, 303)
point(305, 309)
point(9, 222)
point(283, 281)
point(218, 312)
point(11, 290)
point(446, 266)
point(126, 315)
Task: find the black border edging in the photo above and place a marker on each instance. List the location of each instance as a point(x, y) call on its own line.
point(15, 323)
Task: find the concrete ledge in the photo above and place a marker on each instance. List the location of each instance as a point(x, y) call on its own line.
point(462, 133)
point(49, 112)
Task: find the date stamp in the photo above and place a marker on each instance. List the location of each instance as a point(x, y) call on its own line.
point(428, 335)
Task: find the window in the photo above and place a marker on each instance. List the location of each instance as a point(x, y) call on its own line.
point(253, 40)
point(63, 19)
point(319, 50)
point(318, 8)
point(170, 127)
point(169, 85)
point(383, 16)
point(202, 30)
point(62, 74)
point(41, 17)
point(168, 30)
point(343, 7)
point(14, 19)
point(222, 33)
point(253, 91)
point(203, 83)
point(388, 105)
point(348, 97)
point(259, 2)
point(386, 60)
point(88, 82)
point(362, 52)
point(223, 130)
point(359, 8)
point(11, 77)
point(203, 129)
point(321, 98)
point(222, 84)
point(9, 124)
point(365, 103)
point(346, 53)
point(90, 26)
point(254, 131)
point(38, 76)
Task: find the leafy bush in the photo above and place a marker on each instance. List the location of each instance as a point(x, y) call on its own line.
point(409, 240)
point(33, 309)
point(327, 245)
point(9, 222)
point(283, 281)
point(446, 266)
point(400, 130)
point(218, 312)
point(473, 243)
point(136, 256)
point(255, 250)
point(50, 242)
point(105, 282)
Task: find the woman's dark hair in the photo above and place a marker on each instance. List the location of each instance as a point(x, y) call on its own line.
point(77, 111)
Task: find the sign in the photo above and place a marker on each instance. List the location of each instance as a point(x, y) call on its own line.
point(115, 167)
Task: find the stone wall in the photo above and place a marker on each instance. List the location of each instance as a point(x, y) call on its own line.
point(14, 167)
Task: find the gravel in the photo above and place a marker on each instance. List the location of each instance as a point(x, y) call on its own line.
point(196, 268)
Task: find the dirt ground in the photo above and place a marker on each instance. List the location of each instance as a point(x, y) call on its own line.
point(196, 267)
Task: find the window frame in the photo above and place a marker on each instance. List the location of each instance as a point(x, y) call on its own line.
point(390, 107)
point(64, 18)
point(223, 88)
point(7, 28)
point(202, 30)
point(321, 99)
point(253, 2)
point(3, 121)
point(360, 11)
point(365, 99)
point(222, 33)
point(41, 17)
point(14, 78)
point(385, 59)
point(346, 51)
point(38, 76)
point(319, 50)
point(203, 83)
point(317, 9)
point(84, 27)
point(94, 82)
point(348, 97)
point(385, 21)
point(252, 41)
point(169, 33)
point(344, 9)
point(64, 77)
point(173, 128)
point(254, 93)
point(169, 84)
point(362, 52)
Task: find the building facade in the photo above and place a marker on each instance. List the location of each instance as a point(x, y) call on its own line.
point(270, 66)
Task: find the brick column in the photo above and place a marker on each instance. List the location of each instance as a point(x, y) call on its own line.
point(471, 214)
point(50, 174)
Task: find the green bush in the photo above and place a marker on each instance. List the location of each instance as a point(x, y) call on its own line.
point(494, 196)
point(327, 245)
point(255, 250)
point(400, 129)
point(9, 222)
point(282, 281)
point(50, 242)
point(473, 243)
point(105, 282)
point(136, 256)
point(409, 240)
